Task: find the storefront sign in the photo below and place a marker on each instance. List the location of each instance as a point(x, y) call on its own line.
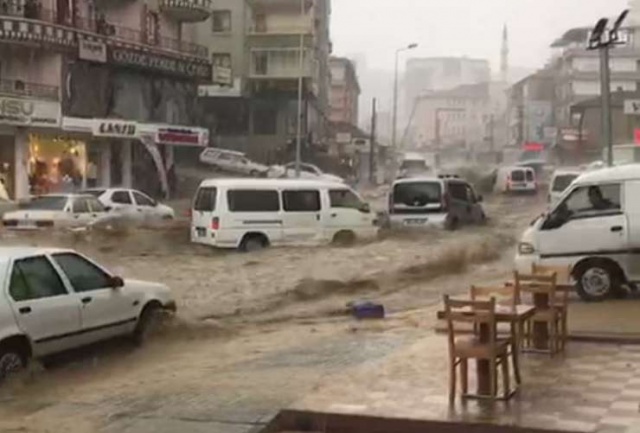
point(180, 137)
point(29, 112)
point(92, 51)
point(160, 63)
point(115, 128)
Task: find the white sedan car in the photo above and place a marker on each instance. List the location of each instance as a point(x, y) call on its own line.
point(307, 171)
point(59, 210)
point(132, 204)
point(52, 300)
point(232, 161)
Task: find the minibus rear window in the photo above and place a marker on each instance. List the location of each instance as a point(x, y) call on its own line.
point(205, 199)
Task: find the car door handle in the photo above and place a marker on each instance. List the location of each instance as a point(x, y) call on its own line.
point(616, 228)
point(24, 310)
point(86, 300)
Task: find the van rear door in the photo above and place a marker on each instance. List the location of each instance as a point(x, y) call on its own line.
point(417, 203)
point(203, 225)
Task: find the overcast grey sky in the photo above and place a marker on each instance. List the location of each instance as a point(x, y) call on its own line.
point(459, 27)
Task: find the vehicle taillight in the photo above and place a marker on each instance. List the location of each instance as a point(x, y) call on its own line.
point(390, 207)
point(215, 223)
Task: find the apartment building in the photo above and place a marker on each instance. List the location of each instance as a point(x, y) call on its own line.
point(102, 91)
point(433, 74)
point(269, 47)
point(531, 109)
point(454, 121)
point(345, 91)
point(578, 70)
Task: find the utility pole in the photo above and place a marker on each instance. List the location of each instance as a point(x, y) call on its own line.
point(300, 86)
point(604, 40)
point(372, 144)
point(394, 116)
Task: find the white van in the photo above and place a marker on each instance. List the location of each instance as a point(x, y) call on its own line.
point(594, 229)
point(250, 214)
point(560, 181)
point(516, 180)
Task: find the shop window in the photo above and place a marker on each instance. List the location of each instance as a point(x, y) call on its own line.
point(265, 120)
point(301, 201)
point(222, 60)
point(153, 27)
point(221, 20)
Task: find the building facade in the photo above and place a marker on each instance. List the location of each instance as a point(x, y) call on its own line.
point(427, 75)
point(531, 109)
point(455, 121)
point(273, 46)
point(98, 90)
point(345, 91)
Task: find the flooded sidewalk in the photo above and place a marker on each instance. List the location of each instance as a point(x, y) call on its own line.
point(593, 388)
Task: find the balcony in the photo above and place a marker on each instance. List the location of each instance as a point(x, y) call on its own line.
point(188, 11)
point(28, 23)
point(32, 90)
point(280, 64)
point(299, 26)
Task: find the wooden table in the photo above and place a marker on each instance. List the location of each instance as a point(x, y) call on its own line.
point(515, 316)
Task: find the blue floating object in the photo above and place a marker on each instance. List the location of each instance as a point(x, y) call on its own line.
point(367, 310)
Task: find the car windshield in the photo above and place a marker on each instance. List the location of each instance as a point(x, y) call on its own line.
point(562, 181)
point(417, 194)
point(413, 165)
point(52, 202)
point(517, 176)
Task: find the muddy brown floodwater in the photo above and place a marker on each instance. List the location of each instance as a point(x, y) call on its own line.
point(234, 308)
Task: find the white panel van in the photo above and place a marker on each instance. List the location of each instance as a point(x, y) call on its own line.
point(516, 180)
point(250, 214)
point(594, 229)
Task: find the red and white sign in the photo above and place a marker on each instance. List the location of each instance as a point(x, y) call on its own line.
point(534, 147)
point(182, 137)
point(636, 136)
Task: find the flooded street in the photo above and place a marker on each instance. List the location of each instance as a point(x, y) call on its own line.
point(249, 322)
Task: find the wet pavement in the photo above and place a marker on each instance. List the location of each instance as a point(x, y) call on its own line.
point(592, 388)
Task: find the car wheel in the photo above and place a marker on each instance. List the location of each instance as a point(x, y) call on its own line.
point(253, 243)
point(344, 238)
point(11, 361)
point(597, 280)
point(148, 324)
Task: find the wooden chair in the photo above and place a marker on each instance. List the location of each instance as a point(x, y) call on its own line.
point(562, 296)
point(542, 289)
point(505, 295)
point(486, 346)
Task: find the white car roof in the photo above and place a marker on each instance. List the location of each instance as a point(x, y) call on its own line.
point(416, 179)
point(609, 174)
point(18, 252)
point(567, 170)
point(219, 150)
point(266, 183)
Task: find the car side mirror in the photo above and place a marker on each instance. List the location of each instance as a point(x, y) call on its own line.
point(365, 208)
point(116, 282)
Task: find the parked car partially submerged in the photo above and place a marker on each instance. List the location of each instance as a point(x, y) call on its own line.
point(52, 300)
point(307, 171)
point(58, 210)
point(233, 162)
point(132, 204)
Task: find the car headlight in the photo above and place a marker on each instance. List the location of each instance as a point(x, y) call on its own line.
point(526, 248)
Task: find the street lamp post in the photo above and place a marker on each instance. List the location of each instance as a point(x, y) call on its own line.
point(300, 95)
point(394, 119)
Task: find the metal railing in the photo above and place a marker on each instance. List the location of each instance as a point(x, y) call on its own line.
point(32, 9)
point(23, 88)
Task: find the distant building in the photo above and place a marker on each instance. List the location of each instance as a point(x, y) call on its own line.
point(531, 102)
point(456, 120)
point(433, 74)
point(345, 91)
